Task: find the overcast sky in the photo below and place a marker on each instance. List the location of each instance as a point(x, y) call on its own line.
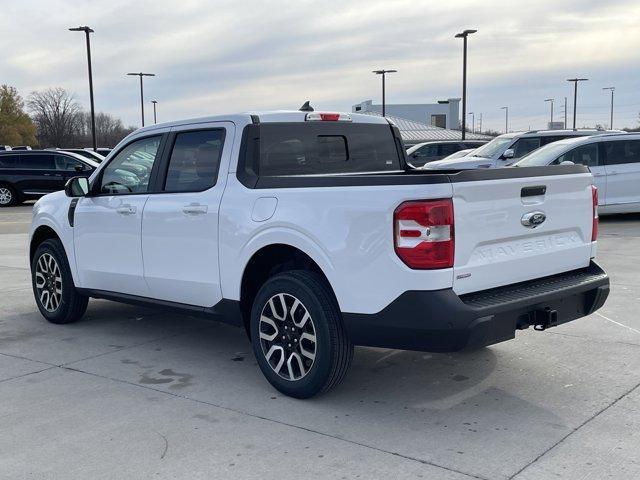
point(223, 56)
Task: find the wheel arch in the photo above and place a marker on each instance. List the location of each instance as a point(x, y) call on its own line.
point(268, 261)
point(40, 234)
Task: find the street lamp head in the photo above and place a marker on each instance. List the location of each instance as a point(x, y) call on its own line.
point(382, 72)
point(140, 74)
point(577, 79)
point(549, 100)
point(81, 29)
point(154, 101)
point(503, 108)
point(609, 88)
point(465, 33)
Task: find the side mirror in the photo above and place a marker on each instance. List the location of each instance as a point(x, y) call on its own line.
point(77, 187)
point(508, 153)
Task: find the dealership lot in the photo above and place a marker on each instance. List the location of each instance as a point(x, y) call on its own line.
point(132, 392)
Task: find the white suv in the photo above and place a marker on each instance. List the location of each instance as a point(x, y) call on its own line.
point(614, 161)
point(507, 149)
point(309, 230)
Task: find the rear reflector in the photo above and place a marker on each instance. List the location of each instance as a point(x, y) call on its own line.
point(327, 117)
point(594, 226)
point(424, 234)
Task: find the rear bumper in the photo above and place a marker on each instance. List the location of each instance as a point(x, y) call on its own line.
point(441, 321)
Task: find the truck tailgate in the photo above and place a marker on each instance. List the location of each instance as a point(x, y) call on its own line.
point(510, 230)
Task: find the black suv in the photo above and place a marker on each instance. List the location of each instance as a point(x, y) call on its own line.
point(29, 174)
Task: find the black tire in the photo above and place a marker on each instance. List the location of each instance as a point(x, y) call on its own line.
point(8, 195)
point(72, 304)
point(333, 349)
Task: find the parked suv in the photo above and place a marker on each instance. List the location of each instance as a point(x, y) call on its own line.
point(430, 151)
point(309, 230)
point(29, 174)
point(507, 149)
point(614, 161)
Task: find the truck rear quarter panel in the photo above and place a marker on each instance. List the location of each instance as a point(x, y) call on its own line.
point(347, 231)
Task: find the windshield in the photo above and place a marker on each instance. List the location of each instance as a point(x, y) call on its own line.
point(493, 147)
point(542, 156)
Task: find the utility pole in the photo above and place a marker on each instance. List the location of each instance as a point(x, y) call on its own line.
point(565, 112)
point(383, 73)
point(612, 89)
point(155, 119)
point(550, 100)
point(464, 34)
point(575, 95)
point(506, 119)
point(480, 129)
point(142, 90)
point(87, 31)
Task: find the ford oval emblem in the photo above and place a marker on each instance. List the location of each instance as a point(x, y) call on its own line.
point(533, 219)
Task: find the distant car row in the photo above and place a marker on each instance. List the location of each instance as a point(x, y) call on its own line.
point(612, 156)
point(85, 152)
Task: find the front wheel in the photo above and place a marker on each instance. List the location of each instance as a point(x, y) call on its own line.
point(297, 334)
point(53, 287)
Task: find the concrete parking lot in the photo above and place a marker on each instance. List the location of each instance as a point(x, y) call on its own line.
point(135, 393)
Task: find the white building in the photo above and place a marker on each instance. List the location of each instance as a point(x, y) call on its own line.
point(444, 114)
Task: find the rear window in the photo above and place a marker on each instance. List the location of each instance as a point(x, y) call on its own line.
point(324, 148)
point(8, 161)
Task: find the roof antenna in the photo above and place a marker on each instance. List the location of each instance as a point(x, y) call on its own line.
point(306, 107)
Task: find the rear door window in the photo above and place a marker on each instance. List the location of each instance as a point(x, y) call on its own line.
point(447, 149)
point(314, 148)
point(37, 161)
point(194, 161)
point(585, 155)
point(619, 152)
point(525, 145)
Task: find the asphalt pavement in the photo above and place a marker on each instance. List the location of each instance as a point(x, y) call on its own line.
point(136, 393)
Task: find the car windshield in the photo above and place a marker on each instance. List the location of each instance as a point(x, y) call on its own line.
point(542, 156)
point(493, 147)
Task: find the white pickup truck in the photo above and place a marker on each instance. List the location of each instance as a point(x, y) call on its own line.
point(309, 230)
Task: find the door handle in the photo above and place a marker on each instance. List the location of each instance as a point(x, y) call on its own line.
point(598, 174)
point(126, 210)
point(194, 209)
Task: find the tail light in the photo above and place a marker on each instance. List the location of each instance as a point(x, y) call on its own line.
point(424, 235)
point(594, 227)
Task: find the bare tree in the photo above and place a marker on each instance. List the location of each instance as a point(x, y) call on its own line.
point(56, 115)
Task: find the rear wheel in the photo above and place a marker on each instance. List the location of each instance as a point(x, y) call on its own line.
point(297, 334)
point(53, 288)
point(8, 196)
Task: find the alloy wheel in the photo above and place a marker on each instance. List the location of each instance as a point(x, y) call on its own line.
point(287, 336)
point(48, 282)
point(5, 196)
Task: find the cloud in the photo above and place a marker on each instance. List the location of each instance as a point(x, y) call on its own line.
point(225, 56)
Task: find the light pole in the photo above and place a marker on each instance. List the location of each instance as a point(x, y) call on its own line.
point(142, 90)
point(87, 31)
point(480, 129)
point(473, 122)
point(464, 34)
point(506, 119)
point(575, 95)
point(383, 73)
point(550, 100)
point(155, 119)
point(612, 89)
point(565, 112)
